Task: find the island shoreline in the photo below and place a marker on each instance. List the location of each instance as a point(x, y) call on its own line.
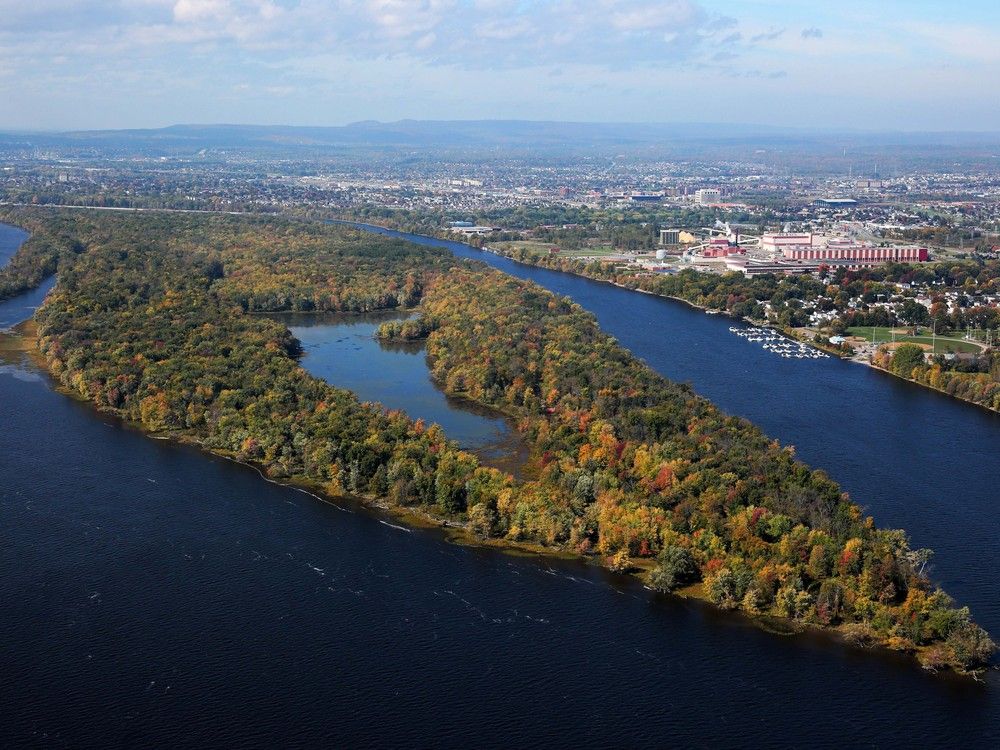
point(450, 531)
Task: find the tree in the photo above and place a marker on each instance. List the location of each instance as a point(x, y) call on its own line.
point(675, 567)
point(914, 313)
point(905, 359)
point(970, 646)
point(728, 586)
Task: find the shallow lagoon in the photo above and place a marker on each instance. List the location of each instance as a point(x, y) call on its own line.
point(343, 351)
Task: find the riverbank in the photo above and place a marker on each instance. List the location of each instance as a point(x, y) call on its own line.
point(929, 387)
point(22, 339)
point(585, 298)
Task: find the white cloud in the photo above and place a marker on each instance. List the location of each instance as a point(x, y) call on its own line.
point(615, 59)
point(474, 33)
point(654, 16)
point(193, 11)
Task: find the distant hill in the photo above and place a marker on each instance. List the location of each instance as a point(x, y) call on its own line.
point(421, 133)
point(808, 149)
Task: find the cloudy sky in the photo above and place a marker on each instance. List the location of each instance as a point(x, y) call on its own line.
point(890, 64)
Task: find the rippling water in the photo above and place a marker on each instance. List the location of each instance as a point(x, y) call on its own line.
point(153, 595)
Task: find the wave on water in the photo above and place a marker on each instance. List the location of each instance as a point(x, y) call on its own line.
point(394, 526)
point(266, 478)
point(311, 494)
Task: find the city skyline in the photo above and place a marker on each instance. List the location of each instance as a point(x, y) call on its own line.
point(147, 63)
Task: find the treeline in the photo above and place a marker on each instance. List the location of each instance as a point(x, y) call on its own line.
point(733, 292)
point(151, 323)
point(313, 267)
point(980, 384)
point(411, 329)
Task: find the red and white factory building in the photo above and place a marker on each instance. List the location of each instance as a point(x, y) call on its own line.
point(809, 248)
point(721, 247)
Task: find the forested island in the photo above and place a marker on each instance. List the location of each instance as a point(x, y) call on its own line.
point(153, 320)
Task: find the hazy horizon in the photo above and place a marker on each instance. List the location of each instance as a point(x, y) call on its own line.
point(88, 64)
point(722, 126)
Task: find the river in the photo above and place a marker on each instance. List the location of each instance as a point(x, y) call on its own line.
point(152, 594)
point(11, 238)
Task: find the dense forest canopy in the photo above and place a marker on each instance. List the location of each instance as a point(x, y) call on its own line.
point(152, 320)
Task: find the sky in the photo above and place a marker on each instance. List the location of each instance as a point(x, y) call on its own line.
point(914, 65)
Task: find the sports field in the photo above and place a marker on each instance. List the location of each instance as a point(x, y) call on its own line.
point(941, 344)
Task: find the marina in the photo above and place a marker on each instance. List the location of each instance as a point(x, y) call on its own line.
point(775, 343)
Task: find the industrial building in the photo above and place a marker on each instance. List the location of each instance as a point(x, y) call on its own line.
point(470, 231)
point(777, 242)
point(807, 247)
point(861, 255)
point(748, 268)
point(670, 236)
point(721, 247)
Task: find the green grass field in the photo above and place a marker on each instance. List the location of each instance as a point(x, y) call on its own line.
point(594, 252)
point(535, 248)
point(943, 344)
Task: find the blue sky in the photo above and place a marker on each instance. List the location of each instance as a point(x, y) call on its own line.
point(915, 65)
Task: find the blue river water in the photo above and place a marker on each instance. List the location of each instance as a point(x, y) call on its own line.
point(915, 459)
point(152, 595)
